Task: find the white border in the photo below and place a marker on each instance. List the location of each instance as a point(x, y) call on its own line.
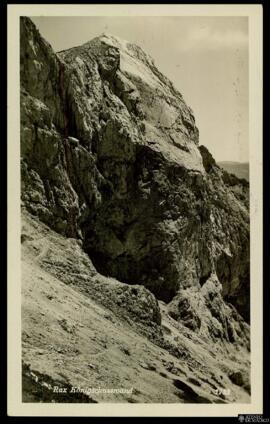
point(15, 405)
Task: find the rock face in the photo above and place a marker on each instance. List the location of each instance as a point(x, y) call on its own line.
point(205, 312)
point(110, 156)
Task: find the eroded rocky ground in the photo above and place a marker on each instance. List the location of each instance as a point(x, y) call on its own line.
point(84, 330)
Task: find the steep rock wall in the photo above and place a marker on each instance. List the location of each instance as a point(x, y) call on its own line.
point(110, 155)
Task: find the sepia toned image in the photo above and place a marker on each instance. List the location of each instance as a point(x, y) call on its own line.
point(135, 210)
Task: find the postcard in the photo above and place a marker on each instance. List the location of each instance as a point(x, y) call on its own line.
point(134, 210)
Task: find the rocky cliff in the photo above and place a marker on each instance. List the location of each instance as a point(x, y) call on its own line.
point(110, 157)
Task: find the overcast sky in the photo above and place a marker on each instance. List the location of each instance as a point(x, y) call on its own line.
point(205, 57)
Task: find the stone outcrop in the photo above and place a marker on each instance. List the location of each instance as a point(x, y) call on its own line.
point(110, 156)
point(205, 312)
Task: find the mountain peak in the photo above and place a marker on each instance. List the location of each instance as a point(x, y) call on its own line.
point(125, 47)
point(114, 39)
point(110, 40)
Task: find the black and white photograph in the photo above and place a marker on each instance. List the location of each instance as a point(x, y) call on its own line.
point(135, 209)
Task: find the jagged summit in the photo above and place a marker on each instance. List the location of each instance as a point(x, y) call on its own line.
point(124, 46)
point(133, 59)
point(168, 123)
point(104, 37)
point(115, 40)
